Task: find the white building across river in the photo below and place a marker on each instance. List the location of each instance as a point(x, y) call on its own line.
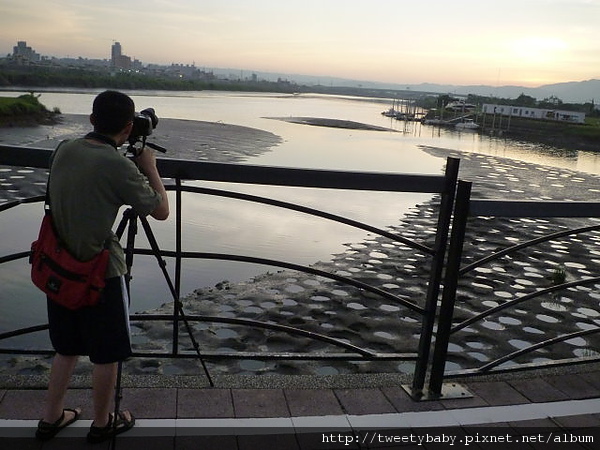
point(534, 113)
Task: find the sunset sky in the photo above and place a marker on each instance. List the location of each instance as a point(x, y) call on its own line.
point(505, 42)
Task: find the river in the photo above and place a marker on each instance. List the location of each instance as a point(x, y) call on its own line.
point(218, 225)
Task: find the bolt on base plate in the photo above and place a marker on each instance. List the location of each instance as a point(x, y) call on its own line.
point(449, 391)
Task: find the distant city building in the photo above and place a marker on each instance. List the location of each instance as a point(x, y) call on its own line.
point(461, 105)
point(23, 54)
point(118, 60)
point(181, 71)
point(115, 52)
point(534, 113)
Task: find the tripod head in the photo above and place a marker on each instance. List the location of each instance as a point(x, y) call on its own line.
point(135, 151)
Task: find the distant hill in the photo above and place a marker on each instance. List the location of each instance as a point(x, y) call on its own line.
point(582, 91)
point(570, 92)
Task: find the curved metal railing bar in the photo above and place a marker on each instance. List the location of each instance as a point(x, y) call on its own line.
point(526, 366)
point(14, 203)
point(310, 211)
point(275, 356)
point(522, 299)
point(14, 257)
point(22, 331)
point(530, 243)
point(486, 368)
point(287, 265)
point(259, 324)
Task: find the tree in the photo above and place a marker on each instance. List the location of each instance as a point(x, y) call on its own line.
point(443, 100)
point(550, 102)
point(525, 100)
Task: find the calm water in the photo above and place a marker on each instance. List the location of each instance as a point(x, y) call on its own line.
point(227, 226)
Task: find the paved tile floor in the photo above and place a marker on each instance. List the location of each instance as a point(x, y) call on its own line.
point(550, 412)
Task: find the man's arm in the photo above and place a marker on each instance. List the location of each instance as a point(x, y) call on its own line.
point(146, 162)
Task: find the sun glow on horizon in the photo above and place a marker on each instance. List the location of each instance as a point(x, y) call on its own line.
point(537, 50)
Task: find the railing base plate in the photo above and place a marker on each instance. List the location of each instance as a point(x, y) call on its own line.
point(449, 391)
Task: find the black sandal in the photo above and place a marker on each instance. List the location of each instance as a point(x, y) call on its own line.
point(46, 431)
point(114, 427)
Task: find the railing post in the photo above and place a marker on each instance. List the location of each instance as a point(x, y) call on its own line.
point(435, 277)
point(459, 225)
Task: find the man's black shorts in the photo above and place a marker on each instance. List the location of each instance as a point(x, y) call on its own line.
point(101, 332)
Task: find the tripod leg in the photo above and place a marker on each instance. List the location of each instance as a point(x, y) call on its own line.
point(118, 397)
point(174, 294)
point(125, 220)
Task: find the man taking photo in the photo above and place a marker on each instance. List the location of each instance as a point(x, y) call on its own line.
point(89, 182)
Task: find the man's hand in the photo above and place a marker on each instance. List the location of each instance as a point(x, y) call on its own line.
point(146, 161)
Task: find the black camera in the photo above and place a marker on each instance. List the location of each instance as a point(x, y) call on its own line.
point(143, 123)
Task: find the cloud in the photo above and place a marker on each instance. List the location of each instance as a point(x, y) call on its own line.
point(385, 39)
point(50, 27)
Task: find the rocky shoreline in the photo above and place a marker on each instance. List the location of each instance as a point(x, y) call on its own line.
point(320, 305)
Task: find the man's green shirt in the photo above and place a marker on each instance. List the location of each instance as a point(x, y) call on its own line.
point(89, 183)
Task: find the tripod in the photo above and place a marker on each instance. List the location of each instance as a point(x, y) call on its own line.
point(130, 222)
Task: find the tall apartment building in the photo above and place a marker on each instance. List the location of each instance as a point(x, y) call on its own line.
point(115, 52)
point(117, 59)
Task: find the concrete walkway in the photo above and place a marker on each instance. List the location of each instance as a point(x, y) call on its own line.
point(559, 411)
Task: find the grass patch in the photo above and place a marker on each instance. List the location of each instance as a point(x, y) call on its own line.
point(25, 109)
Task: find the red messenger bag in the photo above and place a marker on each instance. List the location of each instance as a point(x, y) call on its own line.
point(61, 276)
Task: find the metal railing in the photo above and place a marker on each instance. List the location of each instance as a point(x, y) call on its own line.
point(180, 171)
point(466, 208)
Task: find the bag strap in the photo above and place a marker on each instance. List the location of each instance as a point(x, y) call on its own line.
point(102, 138)
point(47, 199)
